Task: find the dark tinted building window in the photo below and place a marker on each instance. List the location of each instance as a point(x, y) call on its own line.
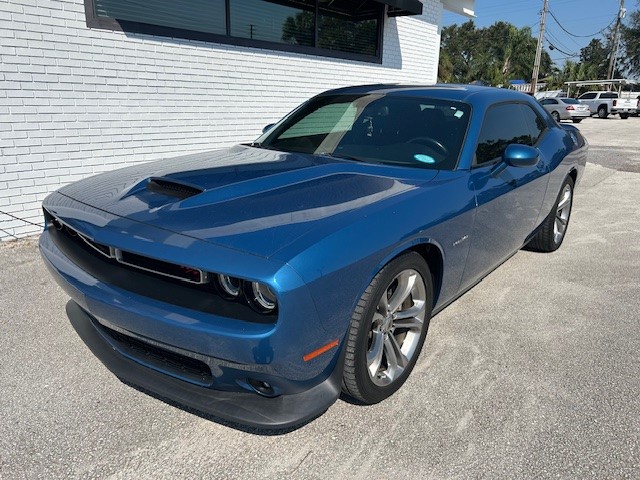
point(196, 15)
point(502, 126)
point(273, 22)
point(339, 28)
point(342, 28)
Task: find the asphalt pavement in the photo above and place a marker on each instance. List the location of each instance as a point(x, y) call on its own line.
point(535, 373)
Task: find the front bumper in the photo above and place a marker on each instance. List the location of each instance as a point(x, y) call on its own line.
point(249, 409)
point(236, 354)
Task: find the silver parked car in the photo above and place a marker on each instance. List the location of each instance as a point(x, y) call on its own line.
point(565, 109)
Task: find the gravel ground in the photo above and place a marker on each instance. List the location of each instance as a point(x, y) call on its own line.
point(535, 373)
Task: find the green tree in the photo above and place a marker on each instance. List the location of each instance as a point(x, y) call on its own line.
point(458, 54)
point(595, 58)
point(630, 51)
point(494, 54)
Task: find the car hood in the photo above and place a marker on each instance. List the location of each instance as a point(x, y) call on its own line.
point(246, 198)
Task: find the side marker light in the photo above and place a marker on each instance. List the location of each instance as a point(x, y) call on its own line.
point(320, 351)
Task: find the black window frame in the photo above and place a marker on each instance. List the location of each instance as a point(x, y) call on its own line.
point(108, 23)
point(498, 159)
point(542, 120)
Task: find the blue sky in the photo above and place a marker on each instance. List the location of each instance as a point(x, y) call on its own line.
point(579, 17)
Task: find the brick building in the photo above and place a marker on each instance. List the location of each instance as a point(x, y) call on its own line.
point(89, 86)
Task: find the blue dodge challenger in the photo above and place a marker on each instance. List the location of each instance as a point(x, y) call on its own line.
point(257, 283)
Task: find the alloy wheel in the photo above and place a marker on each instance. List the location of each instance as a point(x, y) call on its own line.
point(396, 327)
point(562, 214)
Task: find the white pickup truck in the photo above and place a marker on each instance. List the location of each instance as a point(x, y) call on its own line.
point(605, 103)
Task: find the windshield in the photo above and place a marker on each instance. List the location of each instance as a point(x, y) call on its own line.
point(410, 131)
point(571, 101)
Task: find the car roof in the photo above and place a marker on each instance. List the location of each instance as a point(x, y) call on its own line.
point(458, 92)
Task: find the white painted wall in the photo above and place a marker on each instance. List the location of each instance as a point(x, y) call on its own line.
point(76, 101)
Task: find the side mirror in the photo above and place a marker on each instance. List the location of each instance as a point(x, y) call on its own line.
point(267, 127)
point(517, 155)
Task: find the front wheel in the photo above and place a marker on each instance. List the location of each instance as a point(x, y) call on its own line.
point(577, 120)
point(388, 329)
point(556, 116)
point(553, 229)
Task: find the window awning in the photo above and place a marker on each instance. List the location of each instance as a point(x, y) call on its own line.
point(402, 7)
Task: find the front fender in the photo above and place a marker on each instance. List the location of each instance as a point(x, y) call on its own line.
point(339, 266)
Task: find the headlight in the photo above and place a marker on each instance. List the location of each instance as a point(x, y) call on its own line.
point(262, 297)
point(229, 285)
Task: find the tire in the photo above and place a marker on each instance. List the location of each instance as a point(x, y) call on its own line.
point(556, 116)
point(577, 120)
point(554, 227)
point(380, 352)
point(624, 116)
point(602, 111)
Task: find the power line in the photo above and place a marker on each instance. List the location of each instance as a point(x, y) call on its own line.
point(556, 39)
point(556, 44)
point(555, 47)
point(580, 36)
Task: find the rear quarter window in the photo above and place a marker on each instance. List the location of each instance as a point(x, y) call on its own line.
point(537, 126)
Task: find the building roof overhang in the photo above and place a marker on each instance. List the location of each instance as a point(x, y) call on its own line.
point(463, 7)
point(402, 7)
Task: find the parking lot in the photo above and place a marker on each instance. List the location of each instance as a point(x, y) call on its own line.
point(535, 373)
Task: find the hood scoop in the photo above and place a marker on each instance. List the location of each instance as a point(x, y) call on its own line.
point(172, 188)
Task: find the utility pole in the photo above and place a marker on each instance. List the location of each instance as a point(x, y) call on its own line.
point(536, 64)
point(616, 40)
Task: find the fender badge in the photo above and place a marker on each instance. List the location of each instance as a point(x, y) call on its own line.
point(460, 240)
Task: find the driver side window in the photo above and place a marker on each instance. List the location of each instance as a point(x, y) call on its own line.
point(503, 125)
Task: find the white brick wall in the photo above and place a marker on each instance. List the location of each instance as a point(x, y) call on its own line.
point(76, 101)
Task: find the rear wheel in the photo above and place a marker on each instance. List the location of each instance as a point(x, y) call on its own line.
point(556, 116)
point(553, 229)
point(624, 116)
point(602, 111)
point(388, 329)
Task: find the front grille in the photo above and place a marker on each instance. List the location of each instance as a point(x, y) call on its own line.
point(162, 281)
point(179, 272)
point(151, 265)
point(98, 247)
point(169, 362)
